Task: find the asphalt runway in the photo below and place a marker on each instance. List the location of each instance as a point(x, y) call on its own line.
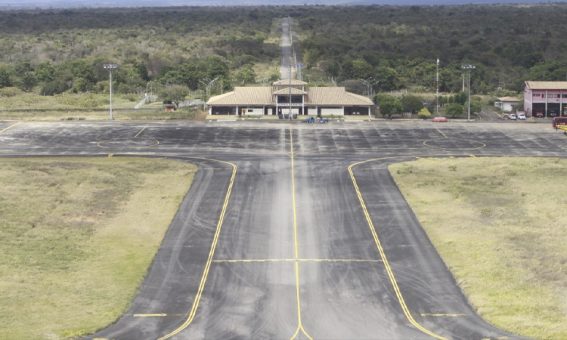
point(293, 230)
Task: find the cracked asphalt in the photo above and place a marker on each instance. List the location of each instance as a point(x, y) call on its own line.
point(274, 241)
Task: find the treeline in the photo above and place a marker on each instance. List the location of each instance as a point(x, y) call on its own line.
point(58, 51)
point(397, 47)
point(385, 47)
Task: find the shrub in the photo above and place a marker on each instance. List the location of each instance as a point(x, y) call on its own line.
point(424, 113)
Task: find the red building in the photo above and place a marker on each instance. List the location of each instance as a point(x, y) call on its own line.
point(545, 98)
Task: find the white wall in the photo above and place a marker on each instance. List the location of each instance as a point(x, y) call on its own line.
point(327, 111)
point(252, 111)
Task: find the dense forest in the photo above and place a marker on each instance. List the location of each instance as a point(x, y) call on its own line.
point(391, 48)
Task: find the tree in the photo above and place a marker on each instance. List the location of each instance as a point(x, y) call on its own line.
point(245, 76)
point(411, 103)
point(424, 113)
point(174, 93)
point(389, 105)
point(454, 110)
point(29, 80)
point(5, 80)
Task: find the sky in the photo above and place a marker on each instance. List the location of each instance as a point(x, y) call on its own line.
point(163, 3)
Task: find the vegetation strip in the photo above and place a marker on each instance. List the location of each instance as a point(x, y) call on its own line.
point(80, 232)
point(499, 227)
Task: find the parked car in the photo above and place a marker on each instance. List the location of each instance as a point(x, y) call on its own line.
point(512, 116)
point(521, 116)
point(538, 114)
point(440, 120)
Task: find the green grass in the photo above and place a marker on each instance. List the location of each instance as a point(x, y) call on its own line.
point(77, 236)
point(500, 226)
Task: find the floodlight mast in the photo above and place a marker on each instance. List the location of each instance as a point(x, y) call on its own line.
point(110, 67)
point(468, 68)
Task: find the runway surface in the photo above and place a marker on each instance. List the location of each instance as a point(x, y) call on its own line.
point(292, 230)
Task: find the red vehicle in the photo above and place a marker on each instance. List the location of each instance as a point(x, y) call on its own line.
point(440, 120)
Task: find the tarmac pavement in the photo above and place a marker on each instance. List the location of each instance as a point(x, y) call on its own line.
point(274, 240)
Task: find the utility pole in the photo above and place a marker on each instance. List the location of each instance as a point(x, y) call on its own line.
point(110, 67)
point(468, 68)
point(437, 89)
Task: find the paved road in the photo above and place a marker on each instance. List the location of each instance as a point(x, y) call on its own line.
point(281, 245)
point(287, 67)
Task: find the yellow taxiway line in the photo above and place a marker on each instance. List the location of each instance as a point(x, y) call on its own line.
point(195, 305)
point(383, 256)
point(300, 328)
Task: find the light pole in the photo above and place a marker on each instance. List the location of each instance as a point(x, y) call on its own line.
point(437, 90)
point(468, 68)
point(110, 67)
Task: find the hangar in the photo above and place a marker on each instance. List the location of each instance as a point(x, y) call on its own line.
point(545, 98)
point(285, 96)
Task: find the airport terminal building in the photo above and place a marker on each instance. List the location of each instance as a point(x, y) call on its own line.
point(545, 98)
point(289, 95)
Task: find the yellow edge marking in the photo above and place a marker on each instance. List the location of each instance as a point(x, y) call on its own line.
point(449, 315)
point(389, 270)
point(140, 132)
point(9, 127)
point(296, 245)
point(295, 260)
point(195, 305)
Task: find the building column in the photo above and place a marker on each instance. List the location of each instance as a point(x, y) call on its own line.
point(210, 110)
point(237, 110)
point(546, 104)
point(343, 110)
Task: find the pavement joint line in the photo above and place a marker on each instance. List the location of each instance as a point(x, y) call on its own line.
point(382, 253)
point(300, 327)
point(296, 260)
point(9, 127)
point(140, 132)
point(201, 288)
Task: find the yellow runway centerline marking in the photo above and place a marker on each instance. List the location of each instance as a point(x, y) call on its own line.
point(300, 328)
point(195, 305)
point(295, 260)
point(9, 127)
point(383, 256)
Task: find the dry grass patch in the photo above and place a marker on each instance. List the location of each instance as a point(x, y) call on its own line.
point(500, 225)
point(77, 236)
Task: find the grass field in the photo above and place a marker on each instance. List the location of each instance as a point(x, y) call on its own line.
point(18, 105)
point(500, 226)
point(77, 236)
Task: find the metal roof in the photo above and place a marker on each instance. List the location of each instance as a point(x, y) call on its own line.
point(546, 85)
point(316, 96)
point(509, 99)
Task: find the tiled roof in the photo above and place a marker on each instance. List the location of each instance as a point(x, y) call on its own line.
point(335, 96)
point(244, 96)
point(286, 90)
point(284, 82)
point(262, 96)
point(547, 85)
